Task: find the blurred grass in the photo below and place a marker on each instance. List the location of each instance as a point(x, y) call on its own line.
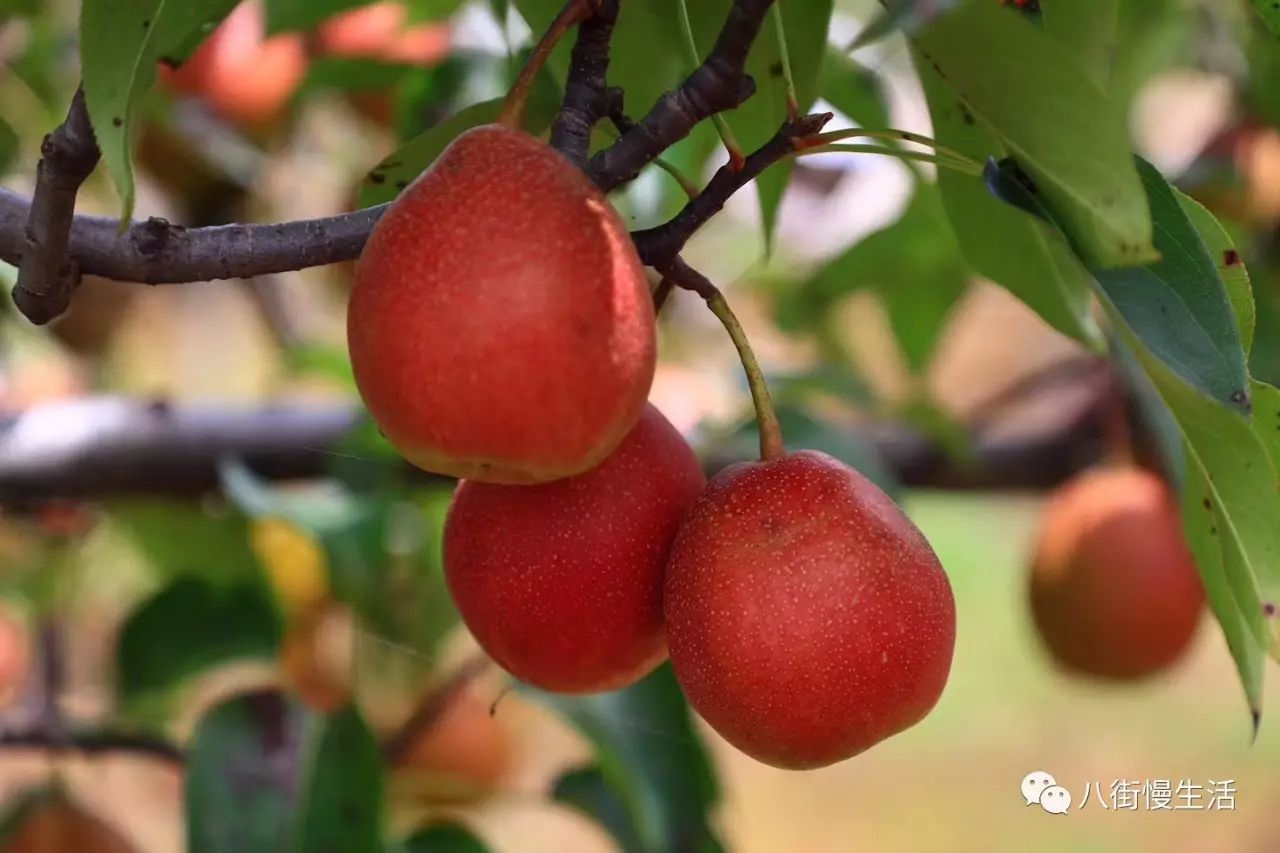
point(952, 782)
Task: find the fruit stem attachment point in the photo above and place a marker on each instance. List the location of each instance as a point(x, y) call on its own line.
point(771, 446)
point(573, 13)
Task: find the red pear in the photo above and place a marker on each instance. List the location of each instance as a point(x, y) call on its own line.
point(501, 327)
point(1114, 588)
point(382, 31)
point(240, 73)
point(561, 583)
point(807, 618)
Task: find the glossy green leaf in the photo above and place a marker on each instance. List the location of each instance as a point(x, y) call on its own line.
point(443, 838)
point(1053, 119)
point(652, 757)
point(120, 43)
point(1026, 256)
point(1219, 563)
point(1230, 263)
point(1087, 29)
point(189, 627)
point(241, 775)
point(385, 181)
point(1179, 306)
point(343, 788)
point(854, 90)
point(587, 790)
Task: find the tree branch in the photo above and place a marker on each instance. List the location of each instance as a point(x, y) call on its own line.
point(720, 83)
point(46, 276)
point(108, 447)
point(157, 252)
point(92, 743)
point(587, 96)
point(658, 246)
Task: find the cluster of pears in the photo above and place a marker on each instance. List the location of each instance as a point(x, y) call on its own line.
point(502, 331)
point(1113, 586)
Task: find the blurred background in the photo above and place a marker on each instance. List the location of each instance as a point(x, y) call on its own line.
point(301, 555)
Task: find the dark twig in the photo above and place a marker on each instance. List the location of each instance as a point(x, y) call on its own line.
point(110, 447)
point(720, 83)
point(156, 252)
point(47, 275)
point(657, 246)
point(92, 743)
point(587, 96)
point(430, 708)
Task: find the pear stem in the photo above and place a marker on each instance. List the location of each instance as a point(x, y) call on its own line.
point(573, 13)
point(771, 446)
point(784, 58)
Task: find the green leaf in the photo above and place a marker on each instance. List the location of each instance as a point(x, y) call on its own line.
point(444, 838)
point(241, 772)
point(356, 75)
point(120, 43)
point(189, 627)
point(9, 145)
point(1218, 563)
point(854, 90)
point(650, 754)
point(645, 55)
point(343, 788)
point(1053, 119)
point(1241, 488)
point(187, 539)
point(587, 790)
point(286, 15)
point(913, 264)
point(398, 170)
point(1026, 256)
point(1224, 254)
point(756, 121)
point(909, 16)
point(1269, 12)
point(1266, 418)
point(1087, 29)
point(1179, 305)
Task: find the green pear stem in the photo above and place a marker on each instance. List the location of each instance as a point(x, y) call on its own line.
point(573, 13)
point(784, 58)
point(890, 133)
point(964, 167)
point(771, 446)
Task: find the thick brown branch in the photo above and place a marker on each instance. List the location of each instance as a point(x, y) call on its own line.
point(657, 246)
point(720, 83)
point(156, 252)
point(587, 97)
point(47, 276)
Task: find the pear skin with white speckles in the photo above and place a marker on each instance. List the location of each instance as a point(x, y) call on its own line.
point(807, 618)
point(501, 327)
point(561, 583)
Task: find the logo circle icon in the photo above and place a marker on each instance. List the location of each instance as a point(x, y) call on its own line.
point(1034, 785)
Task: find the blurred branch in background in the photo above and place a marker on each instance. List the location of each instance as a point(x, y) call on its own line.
point(107, 446)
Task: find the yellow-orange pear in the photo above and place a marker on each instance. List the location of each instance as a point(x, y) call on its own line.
point(501, 327)
point(1114, 589)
